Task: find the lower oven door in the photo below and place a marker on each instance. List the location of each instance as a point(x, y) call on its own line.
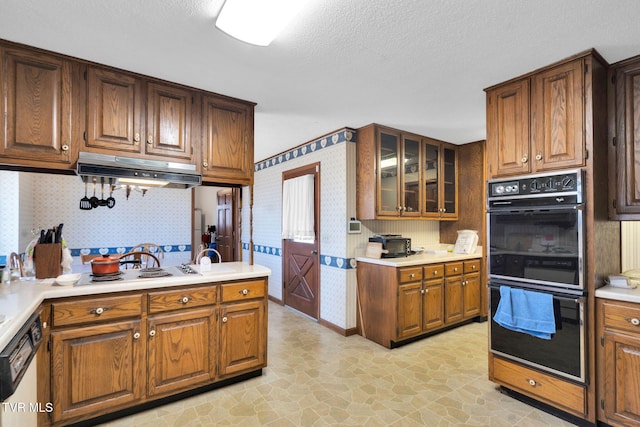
point(564, 354)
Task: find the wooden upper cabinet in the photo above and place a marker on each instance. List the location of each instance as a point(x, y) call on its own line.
point(508, 129)
point(557, 117)
point(537, 123)
point(114, 111)
point(227, 138)
point(169, 110)
point(624, 152)
point(39, 107)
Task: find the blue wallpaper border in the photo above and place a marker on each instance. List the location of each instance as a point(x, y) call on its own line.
point(125, 249)
point(344, 135)
point(326, 260)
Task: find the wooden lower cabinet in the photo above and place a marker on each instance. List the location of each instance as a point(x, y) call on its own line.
point(619, 356)
point(116, 351)
point(396, 304)
point(96, 369)
point(181, 350)
point(562, 394)
point(242, 337)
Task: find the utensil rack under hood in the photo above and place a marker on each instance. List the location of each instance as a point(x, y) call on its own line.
point(148, 173)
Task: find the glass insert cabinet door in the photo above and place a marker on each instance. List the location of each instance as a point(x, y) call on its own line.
point(389, 184)
point(411, 177)
point(431, 174)
point(449, 203)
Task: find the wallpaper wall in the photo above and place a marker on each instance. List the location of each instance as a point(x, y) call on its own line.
point(161, 216)
point(336, 154)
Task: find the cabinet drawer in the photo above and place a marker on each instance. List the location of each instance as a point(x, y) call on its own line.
point(554, 391)
point(621, 316)
point(243, 290)
point(453, 268)
point(433, 271)
point(95, 309)
point(412, 274)
point(472, 266)
point(176, 299)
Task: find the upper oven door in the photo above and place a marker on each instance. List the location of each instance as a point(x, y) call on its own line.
point(542, 246)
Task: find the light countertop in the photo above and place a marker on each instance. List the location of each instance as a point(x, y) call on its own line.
point(423, 258)
point(19, 300)
point(620, 294)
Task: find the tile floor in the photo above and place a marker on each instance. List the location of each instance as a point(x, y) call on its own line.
point(315, 377)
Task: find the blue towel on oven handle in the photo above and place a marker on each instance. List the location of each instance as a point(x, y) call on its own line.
point(526, 311)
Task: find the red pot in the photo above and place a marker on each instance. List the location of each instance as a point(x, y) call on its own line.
point(106, 264)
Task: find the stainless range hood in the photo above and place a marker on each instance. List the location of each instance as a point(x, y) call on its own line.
point(141, 172)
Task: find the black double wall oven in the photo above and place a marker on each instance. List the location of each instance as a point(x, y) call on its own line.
point(536, 243)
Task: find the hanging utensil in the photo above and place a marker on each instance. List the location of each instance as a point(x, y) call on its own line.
point(111, 202)
point(95, 202)
point(103, 202)
point(85, 202)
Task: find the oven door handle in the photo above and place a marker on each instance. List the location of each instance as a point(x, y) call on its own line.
point(516, 210)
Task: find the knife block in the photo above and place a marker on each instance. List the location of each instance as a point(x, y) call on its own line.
point(46, 260)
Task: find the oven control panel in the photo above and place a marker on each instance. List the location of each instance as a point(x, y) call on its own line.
point(543, 184)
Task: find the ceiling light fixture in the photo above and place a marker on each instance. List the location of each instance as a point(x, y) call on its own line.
point(257, 21)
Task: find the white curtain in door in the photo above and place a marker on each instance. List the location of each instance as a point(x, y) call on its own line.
point(298, 208)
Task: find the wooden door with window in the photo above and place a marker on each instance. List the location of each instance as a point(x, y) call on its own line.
point(301, 259)
point(228, 224)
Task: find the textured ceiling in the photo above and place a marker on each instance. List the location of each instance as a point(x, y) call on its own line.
point(418, 65)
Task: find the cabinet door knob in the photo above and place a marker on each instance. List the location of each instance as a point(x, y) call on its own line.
point(224, 319)
point(152, 333)
point(136, 138)
point(150, 139)
point(136, 335)
point(634, 321)
point(532, 382)
point(205, 164)
point(65, 147)
point(539, 156)
point(426, 291)
point(524, 159)
point(422, 291)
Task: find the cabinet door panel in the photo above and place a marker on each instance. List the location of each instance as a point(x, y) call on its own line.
point(622, 385)
point(557, 117)
point(389, 173)
point(168, 121)
point(471, 295)
point(96, 368)
point(409, 309)
point(433, 305)
point(181, 349)
point(410, 168)
point(508, 129)
point(228, 153)
point(114, 107)
point(38, 106)
point(242, 337)
point(453, 299)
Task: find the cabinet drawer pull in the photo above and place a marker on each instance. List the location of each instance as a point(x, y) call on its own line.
point(435, 272)
point(136, 335)
point(533, 383)
point(98, 311)
point(412, 275)
point(244, 292)
point(473, 266)
point(455, 269)
point(634, 321)
point(184, 300)
point(152, 333)
point(224, 319)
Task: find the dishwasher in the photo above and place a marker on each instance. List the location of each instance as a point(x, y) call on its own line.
point(18, 377)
